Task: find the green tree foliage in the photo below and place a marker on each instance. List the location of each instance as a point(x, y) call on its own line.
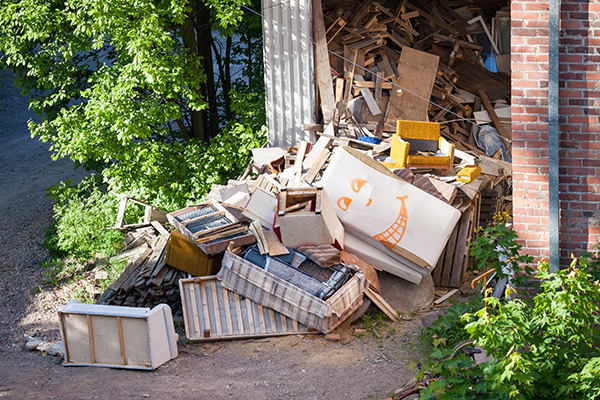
point(129, 89)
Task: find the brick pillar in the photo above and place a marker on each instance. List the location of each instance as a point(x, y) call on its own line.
point(579, 126)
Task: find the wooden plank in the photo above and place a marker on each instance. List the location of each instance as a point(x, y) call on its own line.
point(276, 248)
point(91, 335)
point(495, 120)
point(320, 160)
point(462, 248)
point(372, 85)
point(417, 71)
point(437, 271)
point(250, 316)
point(382, 304)
point(194, 311)
point(261, 318)
point(205, 312)
point(159, 227)
point(121, 213)
point(445, 297)
point(322, 66)
point(217, 306)
point(238, 313)
point(368, 96)
point(121, 340)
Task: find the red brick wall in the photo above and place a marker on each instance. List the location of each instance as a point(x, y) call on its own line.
point(579, 126)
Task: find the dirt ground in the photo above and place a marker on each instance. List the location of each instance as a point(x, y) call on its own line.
point(292, 367)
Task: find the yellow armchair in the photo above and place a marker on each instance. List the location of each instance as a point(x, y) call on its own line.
point(418, 144)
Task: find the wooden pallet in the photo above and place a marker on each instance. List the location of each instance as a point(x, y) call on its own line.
point(211, 312)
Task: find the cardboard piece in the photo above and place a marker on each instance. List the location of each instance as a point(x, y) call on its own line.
point(372, 201)
point(119, 337)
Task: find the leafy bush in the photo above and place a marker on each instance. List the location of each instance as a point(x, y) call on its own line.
point(546, 348)
point(496, 247)
point(449, 329)
point(590, 262)
point(81, 211)
point(543, 348)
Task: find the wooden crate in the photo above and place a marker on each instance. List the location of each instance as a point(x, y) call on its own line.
point(114, 336)
point(211, 312)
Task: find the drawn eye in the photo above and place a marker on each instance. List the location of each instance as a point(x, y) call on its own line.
point(357, 184)
point(344, 203)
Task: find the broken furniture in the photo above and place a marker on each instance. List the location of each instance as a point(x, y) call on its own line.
point(306, 217)
point(418, 144)
point(151, 213)
point(211, 226)
point(120, 337)
point(297, 269)
point(269, 290)
point(182, 253)
point(211, 312)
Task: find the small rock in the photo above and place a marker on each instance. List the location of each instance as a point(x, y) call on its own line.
point(145, 396)
point(32, 345)
point(56, 350)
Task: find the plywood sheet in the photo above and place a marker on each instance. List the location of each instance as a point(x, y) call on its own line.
point(417, 71)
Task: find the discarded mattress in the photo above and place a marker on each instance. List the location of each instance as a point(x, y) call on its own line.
point(370, 200)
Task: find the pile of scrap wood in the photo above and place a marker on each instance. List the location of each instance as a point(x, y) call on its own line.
point(416, 60)
point(297, 242)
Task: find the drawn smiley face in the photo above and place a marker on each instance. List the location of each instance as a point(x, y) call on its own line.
point(356, 185)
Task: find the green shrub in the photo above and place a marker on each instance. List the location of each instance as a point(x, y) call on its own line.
point(542, 348)
point(81, 212)
point(546, 348)
point(449, 329)
point(496, 247)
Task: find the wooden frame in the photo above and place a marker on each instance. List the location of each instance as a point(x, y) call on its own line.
point(211, 312)
point(119, 337)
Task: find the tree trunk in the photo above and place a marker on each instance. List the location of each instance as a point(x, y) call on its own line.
point(204, 35)
point(227, 80)
point(198, 124)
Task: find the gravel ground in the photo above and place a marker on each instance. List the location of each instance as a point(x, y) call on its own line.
point(292, 367)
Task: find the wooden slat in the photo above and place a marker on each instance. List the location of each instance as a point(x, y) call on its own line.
point(208, 296)
point(447, 270)
point(91, 335)
point(121, 341)
point(207, 324)
point(194, 311)
point(227, 307)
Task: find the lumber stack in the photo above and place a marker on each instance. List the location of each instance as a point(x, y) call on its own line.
point(446, 43)
point(147, 281)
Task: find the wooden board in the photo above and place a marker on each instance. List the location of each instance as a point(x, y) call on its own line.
point(211, 312)
point(323, 72)
point(417, 71)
